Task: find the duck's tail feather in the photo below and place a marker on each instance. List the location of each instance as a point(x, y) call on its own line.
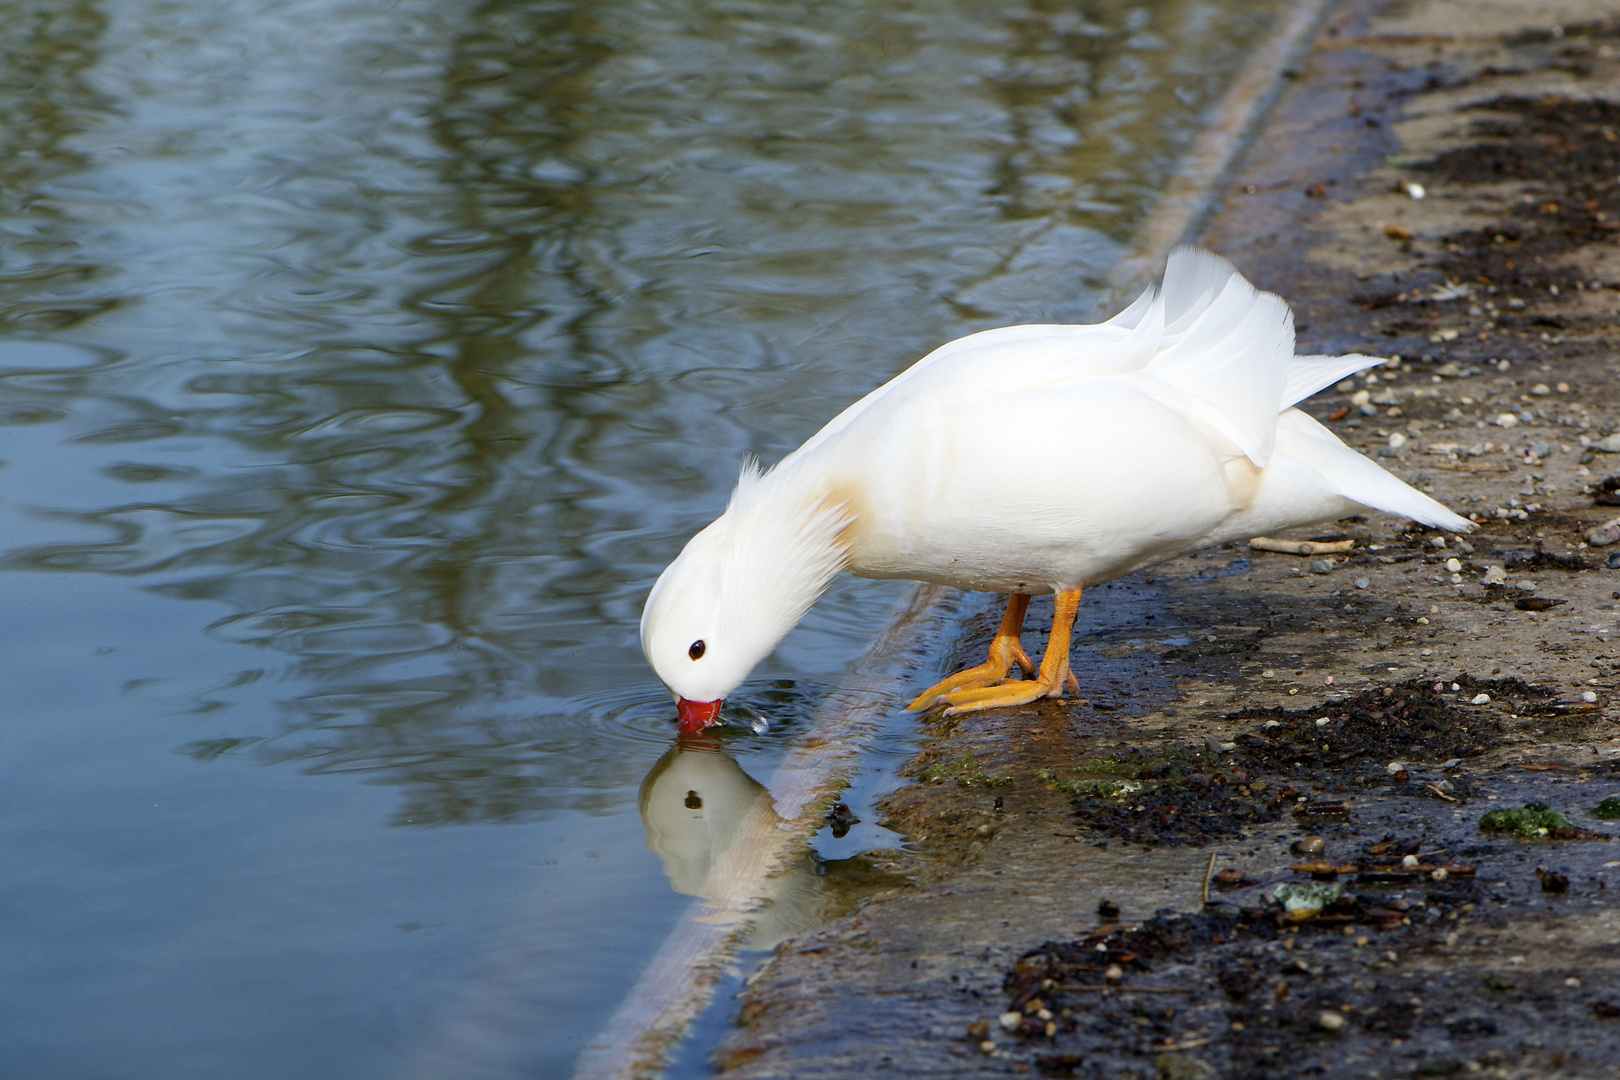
point(1131, 317)
point(1359, 479)
point(1308, 374)
point(1193, 278)
point(1229, 351)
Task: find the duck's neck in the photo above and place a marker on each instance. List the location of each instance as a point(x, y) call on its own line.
point(784, 545)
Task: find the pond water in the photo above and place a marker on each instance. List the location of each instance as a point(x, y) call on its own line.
point(360, 367)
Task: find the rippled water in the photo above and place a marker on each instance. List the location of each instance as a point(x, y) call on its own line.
point(361, 365)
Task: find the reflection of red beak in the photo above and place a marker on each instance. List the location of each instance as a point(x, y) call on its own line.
point(697, 715)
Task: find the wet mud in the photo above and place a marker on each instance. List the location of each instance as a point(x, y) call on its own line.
point(1335, 815)
point(1394, 913)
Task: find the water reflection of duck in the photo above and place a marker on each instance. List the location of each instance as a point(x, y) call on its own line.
point(718, 834)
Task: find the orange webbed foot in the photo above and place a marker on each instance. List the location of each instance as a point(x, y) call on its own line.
point(1054, 677)
point(1005, 651)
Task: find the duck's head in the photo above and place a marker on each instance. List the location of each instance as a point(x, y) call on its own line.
point(691, 635)
point(736, 589)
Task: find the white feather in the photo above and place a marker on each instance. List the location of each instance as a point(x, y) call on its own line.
point(1308, 374)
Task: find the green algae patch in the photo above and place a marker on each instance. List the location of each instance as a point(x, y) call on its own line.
point(1608, 809)
point(967, 772)
point(1112, 765)
point(1107, 789)
point(1533, 821)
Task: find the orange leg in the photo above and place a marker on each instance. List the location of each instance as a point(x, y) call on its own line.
point(1054, 676)
point(1004, 652)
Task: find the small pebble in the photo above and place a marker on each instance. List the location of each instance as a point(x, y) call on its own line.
point(1323, 721)
point(1480, 699)
point(1010, 1020)
point(1330, 1020)
point(1541, 389)
point(1362, 583)
point(1308, 845)
point(1409, 861)
point(1495, 575)
point(1454, 566)
point(1322, 566)
point(1609, 444)
point(1437, 541)
point(1506, 420)
point(1589, 696)
point(1394, 767)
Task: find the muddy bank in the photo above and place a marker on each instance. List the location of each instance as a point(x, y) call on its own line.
point(1322, 744)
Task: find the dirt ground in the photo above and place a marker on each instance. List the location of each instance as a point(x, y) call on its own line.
point(1324, 745)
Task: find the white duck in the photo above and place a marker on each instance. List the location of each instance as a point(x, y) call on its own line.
point(1030, 459)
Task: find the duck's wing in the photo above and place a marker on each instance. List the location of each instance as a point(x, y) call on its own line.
point(1026, 357)
point(1209, 344)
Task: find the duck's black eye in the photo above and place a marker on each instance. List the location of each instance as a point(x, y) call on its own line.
point(694, 801)
point(696, 651)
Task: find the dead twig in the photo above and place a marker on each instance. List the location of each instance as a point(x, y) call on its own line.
point(1209, 874)
point(1302, 547)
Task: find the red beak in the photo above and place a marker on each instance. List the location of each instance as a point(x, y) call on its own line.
point(697, 715)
